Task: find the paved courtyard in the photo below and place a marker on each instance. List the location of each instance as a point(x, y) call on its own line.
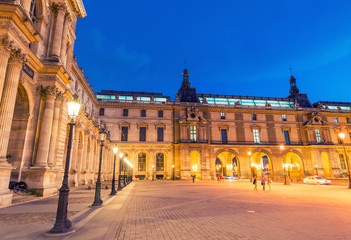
point(212, 210)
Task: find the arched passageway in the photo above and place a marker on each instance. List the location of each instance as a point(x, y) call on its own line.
point(227, 164)
point(293, 165)
point(195, 163)
point(261, 165)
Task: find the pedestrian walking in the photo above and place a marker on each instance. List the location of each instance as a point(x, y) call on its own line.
point(254, 182)
point(194, 177)
point(269, 181)
point(263, 183)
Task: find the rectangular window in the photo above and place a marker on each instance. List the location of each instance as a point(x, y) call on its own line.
point(256, 135)
point(318, 136)
point(286, 137)
point(193, 136)
point(224, 135)
point(284, 118)
point(254, 117)
point(143, 113)
point(125, 112)
point(124, 135)
point(101, 111)
point(160, 134)
point(222, 115)
point(348, 120)
point(335, 120)
point(142, 136)
point(160, 114)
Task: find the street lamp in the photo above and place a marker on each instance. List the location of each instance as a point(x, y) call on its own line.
point(62, 223)
point(153, 166)
point(113, 189)
point(119, 171)
point(98, 201)
point(173, 171)
point(342, 137)
point(124, 169)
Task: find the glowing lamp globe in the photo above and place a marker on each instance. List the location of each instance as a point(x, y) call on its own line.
point(115, 149)
point(342, 135)
point(120, 154)
point(73, 109)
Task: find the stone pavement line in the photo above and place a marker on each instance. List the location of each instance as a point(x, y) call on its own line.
point(113, 231)
point(97, 226)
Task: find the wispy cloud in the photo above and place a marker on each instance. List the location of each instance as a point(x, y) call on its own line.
point(130, 59)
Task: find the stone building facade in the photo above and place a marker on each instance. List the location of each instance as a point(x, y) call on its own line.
point(196, 134)
point(209, 135)
point(38, 75)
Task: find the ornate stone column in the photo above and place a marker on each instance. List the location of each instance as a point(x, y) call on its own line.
point(5, 49)
point(8, 99)
point(64, 40)
point(7, 107)
point(46, 128)
point(59, 10)
point(55, 125)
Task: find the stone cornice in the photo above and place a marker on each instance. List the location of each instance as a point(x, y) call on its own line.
point(78, 7)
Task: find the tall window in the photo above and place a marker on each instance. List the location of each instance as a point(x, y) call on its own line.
point(101, 111)
point(160, 114)
point(160, 134)
point(284, 118)
point(342, 161)
point(286, 137)
point(142, 135)
point(193, 136)
point(124, 134)
point(142, 161)
point(222, 115)
point(254, 117)
point(33, 12)
point(348, 120)
point(318, 136)
point(160, 162)
point(335, 120)
point(125, 112)
point(224, 135)
point(143, 113)
point(256, 135)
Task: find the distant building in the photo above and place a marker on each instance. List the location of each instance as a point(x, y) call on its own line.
point(210, 135)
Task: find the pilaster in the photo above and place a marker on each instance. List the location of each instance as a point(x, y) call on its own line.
point(59, 11)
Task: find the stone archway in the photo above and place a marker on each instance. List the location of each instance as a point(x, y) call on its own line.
point(18, 133)
point(227, 164)
point(261, 164)
point(195, 164)
point(295, 166)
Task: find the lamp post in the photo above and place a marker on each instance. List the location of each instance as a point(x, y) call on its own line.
point(98, 201)
point(113, 189)
point(153, 166)
point(62, 223)
point(119, 171)
point(173, 172)
point(342, 137)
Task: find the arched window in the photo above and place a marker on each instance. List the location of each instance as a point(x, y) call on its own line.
point(160, 159)
point(142, 161)
point(342, 161)
point(33, 12)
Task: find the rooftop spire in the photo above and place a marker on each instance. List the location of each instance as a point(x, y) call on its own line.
point(293, 88)
point(185, 92)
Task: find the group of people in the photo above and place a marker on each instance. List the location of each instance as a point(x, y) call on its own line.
point(263, 183)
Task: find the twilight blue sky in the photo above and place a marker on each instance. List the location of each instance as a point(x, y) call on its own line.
point(234, 47)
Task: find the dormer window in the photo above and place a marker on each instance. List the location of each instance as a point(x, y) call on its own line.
point(222, 115)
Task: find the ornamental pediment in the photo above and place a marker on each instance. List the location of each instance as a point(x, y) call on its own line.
point(192, 116)
point(315, 119)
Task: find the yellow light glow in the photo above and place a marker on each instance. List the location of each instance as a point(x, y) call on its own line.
point(115, 149)
point(341, 135)
point(153, 166)
point(249, 153)
point(120, 154)
point(281, 147)
point(172, 166)
point(125, 159)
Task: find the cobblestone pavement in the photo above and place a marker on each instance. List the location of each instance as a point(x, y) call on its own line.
point(210, 210)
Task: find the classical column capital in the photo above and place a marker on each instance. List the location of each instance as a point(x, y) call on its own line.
point(17, 57)
point(59, 96)
point(6, 45)
point(48, 91)
point(57, 7)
